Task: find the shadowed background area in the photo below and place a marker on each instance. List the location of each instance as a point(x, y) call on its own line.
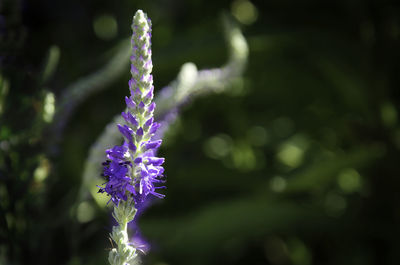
point(296, 162)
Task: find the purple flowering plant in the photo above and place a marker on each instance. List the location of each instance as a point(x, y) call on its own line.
point(132, 170)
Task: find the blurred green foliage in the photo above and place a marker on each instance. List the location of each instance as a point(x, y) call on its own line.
point(296, 165)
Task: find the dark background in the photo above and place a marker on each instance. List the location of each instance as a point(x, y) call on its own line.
point(297, 165)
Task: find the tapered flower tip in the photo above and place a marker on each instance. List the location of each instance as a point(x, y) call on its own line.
point(140, 18)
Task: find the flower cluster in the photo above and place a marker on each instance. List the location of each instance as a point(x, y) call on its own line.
point(132, 169)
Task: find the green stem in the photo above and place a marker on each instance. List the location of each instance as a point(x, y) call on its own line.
point(124, 253)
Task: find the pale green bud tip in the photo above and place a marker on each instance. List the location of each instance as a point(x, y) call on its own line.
point(140, 19)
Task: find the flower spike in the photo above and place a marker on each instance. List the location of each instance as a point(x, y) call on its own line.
point(132, 171)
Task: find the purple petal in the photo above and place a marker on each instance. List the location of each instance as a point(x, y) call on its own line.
point(139, 132)
point(134, 70)
point(149, 122)
point(154, 127)
point(132, 146)
point(129, 118)
point(117, 152)
point(132, 83)
point(131, 189)
point(153, 144)
point(156, 161)
point(151, 107)
point(141, 105)
point(126, 131)
point(150, 94)
point(144, 173)
point(129, 103)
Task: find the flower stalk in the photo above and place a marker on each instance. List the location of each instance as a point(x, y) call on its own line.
point(132, 170)
point(124, 252)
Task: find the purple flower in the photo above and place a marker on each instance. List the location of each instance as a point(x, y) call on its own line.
point(132, 169)
point(130, 103)
point(154, 127)
point(139, 132)
point(155, 161)
point(117, 153)
point(126, 131)
point(118, 181)
point(153, 144)
point(129, 118)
